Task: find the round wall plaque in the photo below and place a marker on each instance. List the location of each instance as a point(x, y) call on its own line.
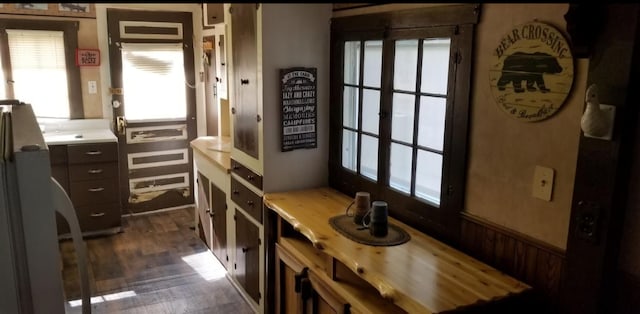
point(531, 72)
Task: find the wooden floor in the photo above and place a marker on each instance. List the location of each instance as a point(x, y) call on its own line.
point(156, 265)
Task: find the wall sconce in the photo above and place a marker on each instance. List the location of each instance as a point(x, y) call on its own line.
point(598, 119)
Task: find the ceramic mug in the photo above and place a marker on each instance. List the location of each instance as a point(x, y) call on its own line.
point(378, 223)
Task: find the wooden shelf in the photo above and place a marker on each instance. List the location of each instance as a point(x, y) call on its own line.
point(353, 289)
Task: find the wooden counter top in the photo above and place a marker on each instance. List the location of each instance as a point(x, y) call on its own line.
point(420, 276)
point(216, 149)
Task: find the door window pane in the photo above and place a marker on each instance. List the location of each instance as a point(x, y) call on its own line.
point(369, 157)
point(402, 120)
point(435, 66)
point(400, 166)
point(39, 71)
point(431, 122)
point(153, 80)
point(429, 176)
point(372, 63)
point(350, 107)
point(370, 110)
point(349, 149)
point(405, 65)
point(352, 62)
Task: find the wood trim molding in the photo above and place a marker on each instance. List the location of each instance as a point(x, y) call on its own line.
point(537, 263)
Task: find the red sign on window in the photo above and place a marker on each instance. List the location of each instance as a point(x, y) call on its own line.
point(87, 57)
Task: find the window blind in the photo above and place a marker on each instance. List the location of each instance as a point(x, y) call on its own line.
point(153, 81)
point(39, 71)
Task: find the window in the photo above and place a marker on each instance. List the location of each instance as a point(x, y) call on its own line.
point(399, 112)
point(148, 68)
point(38, 63)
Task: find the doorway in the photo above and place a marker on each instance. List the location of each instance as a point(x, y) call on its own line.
point(153, 96)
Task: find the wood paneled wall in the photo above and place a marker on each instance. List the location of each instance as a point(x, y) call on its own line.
point(516, 254)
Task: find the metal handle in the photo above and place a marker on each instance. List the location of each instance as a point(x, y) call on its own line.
point(121, 124)
point(211, 214)
point(97, 214)
point(250, 177)
point(244, 82)
point(236, 192)
point(96, 190)
point(94, 171)
point(244, 250)
point(93, 153)
point(250, 203)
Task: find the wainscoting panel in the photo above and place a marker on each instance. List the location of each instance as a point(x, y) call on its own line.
point(518, 255)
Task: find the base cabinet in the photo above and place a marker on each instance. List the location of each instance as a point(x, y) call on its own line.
point(211, 209)
point(247, 264)
point(88, 173)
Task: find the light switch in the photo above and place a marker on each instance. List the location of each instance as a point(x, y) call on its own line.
point(93, 87)
point(543, 183)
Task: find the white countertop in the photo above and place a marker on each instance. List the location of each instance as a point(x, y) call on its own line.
point(79, 137)
point(76, 131)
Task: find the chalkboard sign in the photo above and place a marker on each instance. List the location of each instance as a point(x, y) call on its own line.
point(299, 108)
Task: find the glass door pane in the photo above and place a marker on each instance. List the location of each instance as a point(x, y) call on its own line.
point(153, 80)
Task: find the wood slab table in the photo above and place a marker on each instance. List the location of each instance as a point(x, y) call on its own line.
point(422, 275)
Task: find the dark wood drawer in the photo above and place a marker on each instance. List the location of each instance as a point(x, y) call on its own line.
point(58, 154)
point(246, 199)
point(88, 153)
point(99, 217)
point(94, 192)
point(97, 171)
point(246, 173)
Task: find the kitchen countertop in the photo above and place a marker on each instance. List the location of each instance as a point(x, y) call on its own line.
point(216, 149)
point(79, 137)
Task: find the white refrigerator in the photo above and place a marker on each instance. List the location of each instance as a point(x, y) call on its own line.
point(30, 270)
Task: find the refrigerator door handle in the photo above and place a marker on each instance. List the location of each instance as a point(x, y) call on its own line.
point(63, 205)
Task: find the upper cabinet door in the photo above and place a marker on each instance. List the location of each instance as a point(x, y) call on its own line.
point(245, 61)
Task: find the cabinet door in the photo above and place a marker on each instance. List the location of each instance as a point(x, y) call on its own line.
point(248, 255)
point(219, 221)
point(203, 207)
point(245, 61)
point(324, 299)
point(289, 275)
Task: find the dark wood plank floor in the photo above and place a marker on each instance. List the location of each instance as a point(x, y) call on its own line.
point(157, 265)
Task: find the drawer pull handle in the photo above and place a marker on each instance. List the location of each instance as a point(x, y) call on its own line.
point(244, 250)
point(250, 203)
point(97, 214)
point(96, 189)
point(211, 214)
point(93, 153)
point(236, 167)
point(236, 192)
point(95, 171)
point(250, 178)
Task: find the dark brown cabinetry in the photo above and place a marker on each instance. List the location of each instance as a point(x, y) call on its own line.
point(88, 173)
point(245, 64)
point(219, 224)
point(247, 264)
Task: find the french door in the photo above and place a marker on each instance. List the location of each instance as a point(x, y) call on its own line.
point(153, 81)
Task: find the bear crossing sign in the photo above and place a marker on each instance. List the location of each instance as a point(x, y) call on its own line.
point(531, 72)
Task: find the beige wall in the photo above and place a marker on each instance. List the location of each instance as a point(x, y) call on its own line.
point(503, 152)
point(87, 38)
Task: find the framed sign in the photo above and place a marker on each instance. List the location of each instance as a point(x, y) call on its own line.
point(299, 108)
point(531, 72)
point(87, 57)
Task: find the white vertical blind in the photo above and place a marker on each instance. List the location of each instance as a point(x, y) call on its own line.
point(153, 81)
point(39, 71)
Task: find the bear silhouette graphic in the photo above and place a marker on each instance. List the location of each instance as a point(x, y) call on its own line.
point(529, 67)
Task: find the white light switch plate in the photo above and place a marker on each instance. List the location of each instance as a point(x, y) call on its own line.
point(543, 183)
point(93, 87)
